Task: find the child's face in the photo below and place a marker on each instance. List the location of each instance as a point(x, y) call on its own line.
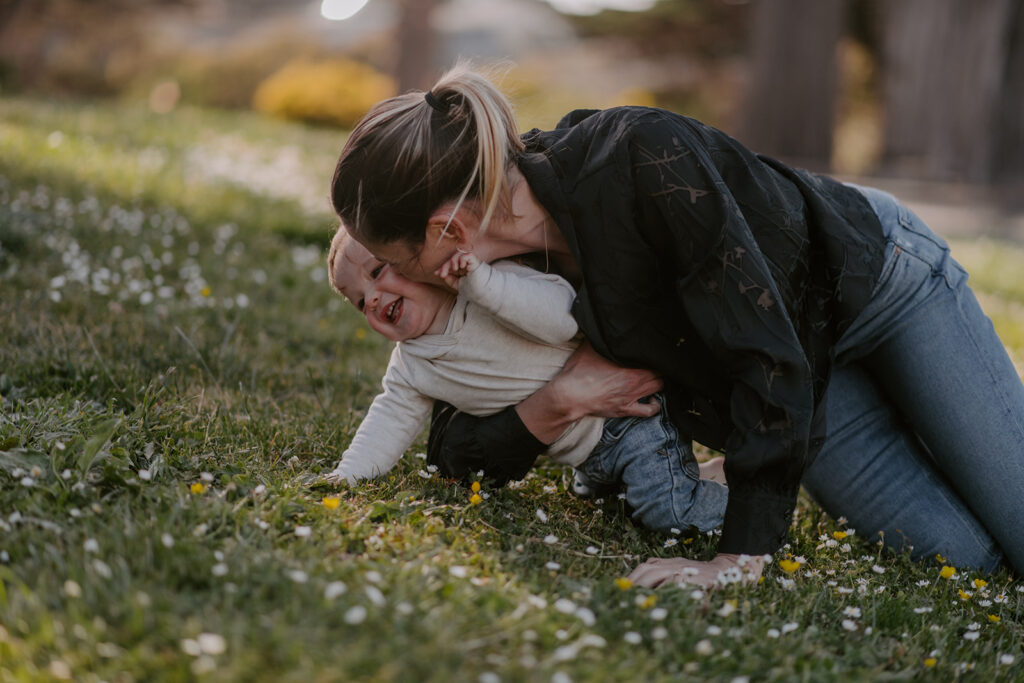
point(394, 306)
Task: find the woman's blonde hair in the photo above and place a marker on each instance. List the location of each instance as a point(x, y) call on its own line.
point(413, 152)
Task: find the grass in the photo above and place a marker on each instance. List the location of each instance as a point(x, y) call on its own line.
point(175, 371)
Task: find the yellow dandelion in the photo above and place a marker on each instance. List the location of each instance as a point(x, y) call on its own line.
point(964, 595)
point(994, 618)
point(360, 333)
point(622, 583)
point(197, 487)
point(206, 292)
point(947, 572)
point(331, 502)
point(839, 535)
point(931, 662)
point(940, 559)
point(980, 583)
point(789, 566)
point(475, 487)
point(649, 602)
point(475, 499)
point(688, 540)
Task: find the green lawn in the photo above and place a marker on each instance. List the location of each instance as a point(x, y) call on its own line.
point(174, 372)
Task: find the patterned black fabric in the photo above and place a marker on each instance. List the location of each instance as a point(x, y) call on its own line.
point(729, 273)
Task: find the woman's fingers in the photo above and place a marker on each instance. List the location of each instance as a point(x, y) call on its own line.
point(599, 387)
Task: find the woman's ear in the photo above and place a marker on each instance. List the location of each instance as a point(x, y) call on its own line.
point(443, 225)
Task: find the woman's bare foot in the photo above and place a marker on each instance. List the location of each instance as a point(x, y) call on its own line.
point(713, 469)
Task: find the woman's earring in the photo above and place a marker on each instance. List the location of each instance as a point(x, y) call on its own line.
point(463, 251)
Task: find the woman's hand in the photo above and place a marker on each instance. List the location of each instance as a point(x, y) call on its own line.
point(722, 570)
point(588, 385)
point(596, 386)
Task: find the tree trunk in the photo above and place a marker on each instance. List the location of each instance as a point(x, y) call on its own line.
point(943, 65)
point(415, 45)
point(1009, 148)
point(789, 109)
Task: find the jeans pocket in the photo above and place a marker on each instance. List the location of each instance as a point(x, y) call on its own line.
point(615, 428)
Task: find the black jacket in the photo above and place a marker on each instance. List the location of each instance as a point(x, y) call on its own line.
point(729, 273)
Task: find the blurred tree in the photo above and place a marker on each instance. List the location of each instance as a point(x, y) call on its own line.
point(1009, 154)
point(414, 44)
point(952, 86)
point(789, 109)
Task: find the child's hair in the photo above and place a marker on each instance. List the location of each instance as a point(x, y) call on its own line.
point(338, 242)
point(411, 153)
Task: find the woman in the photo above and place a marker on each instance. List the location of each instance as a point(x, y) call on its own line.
point(806, 328)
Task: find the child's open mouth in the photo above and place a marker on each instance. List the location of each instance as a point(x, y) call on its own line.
point(393, 312)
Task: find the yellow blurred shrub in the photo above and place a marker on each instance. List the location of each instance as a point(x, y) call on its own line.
point(332, 91)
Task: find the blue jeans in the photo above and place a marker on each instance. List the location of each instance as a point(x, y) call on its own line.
point(925, 412)
point(660, 474)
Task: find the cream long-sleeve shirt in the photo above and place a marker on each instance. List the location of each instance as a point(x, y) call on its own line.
point(510, 331)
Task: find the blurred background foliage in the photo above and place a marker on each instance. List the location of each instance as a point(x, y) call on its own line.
point(924, 89)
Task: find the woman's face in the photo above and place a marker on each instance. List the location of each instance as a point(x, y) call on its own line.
point(416, 263)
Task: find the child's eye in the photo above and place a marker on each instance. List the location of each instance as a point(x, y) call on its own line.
point(360, 304)
point(375, 273)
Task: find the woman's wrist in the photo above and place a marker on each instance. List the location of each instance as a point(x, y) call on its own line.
point(548, 412)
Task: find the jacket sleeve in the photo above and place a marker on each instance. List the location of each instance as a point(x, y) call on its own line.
point(391, 424)
point(726, 286)
point(530, 303)
point(499, 445)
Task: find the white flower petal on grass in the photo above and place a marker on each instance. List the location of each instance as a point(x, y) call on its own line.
point(298, 576)
point(922, 610)
point(458, 572)
point(553, 566)
point(849, 624)
point(659, 613)
point(789, 627)
point(565, 606)
point(488, 677)
point(191, 647)
point(167, 540)
point(852, 612)
point(220, 569)
point(704, 648)
point(726, 609)
point(586, 615)
point(592, 550)
point(212, 643)
point(669, 542)
point(72, 589)
point(91, 546)
point(102, 568)
point(773, 633)
point(632, 637)
point(145, 475)
point(373, 576)
point(972, 635)
point(375, 595)
point(542, 516)
point(713, 630)
point(303, 531)
point(551, 539)
point(659, 633)
point(1006, 660)
point(878, 569)
point(335, 589)
point(355, 615)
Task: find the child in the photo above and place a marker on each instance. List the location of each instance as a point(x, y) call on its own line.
point(505, 334)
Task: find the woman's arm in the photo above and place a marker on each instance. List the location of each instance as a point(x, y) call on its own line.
point(505, 445)
point(589, 384)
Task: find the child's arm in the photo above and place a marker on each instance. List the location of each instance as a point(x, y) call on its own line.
point(391, 424)
point(530, 302)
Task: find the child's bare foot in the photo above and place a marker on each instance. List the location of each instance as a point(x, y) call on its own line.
point(713, 469)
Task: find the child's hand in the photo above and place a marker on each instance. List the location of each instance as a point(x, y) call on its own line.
point(457, 267)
